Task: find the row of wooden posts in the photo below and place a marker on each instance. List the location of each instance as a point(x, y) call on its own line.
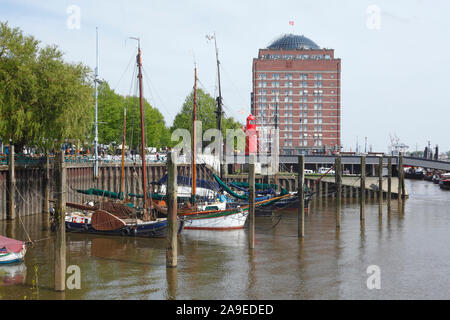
point(172, 240)
point(172, 187)
point(338, 182)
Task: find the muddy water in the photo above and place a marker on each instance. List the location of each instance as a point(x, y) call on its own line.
point(410, 245)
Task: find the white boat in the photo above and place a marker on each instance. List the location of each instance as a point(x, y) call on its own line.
point(230, 219)
point(11, 251)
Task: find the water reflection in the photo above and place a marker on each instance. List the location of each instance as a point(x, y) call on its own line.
point(13, 275)
point(172, 283)
point(410, 245)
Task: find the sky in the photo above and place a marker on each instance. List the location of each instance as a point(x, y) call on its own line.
point(395, 54)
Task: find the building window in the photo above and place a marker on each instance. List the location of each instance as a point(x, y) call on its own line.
point(262, 76)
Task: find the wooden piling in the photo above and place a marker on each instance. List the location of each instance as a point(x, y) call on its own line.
point(11, 206)
point(320, 194)
point(46, 186)
point(362, 189)
point(172, 192)
point(60, 227)
point(380, 180)
point(389, 191)
point(301, 196)
point(338, 181)
point(251, 195)
point(401, 176)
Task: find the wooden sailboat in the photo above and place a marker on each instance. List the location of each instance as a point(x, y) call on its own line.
point(201, 215)
point(211, 215)
point(117, 218)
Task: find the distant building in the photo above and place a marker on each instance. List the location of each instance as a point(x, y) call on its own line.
point(297, 88)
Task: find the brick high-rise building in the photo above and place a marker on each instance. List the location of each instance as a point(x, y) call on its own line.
point(297, 87)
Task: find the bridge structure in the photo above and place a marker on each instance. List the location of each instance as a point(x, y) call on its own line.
point(355, 160)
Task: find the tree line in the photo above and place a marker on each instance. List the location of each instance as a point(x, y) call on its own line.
point(45, 102)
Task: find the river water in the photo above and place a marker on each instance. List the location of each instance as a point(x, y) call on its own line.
point(410, 246)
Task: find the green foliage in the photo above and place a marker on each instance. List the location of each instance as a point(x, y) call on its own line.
point(43, 100)
point(111, 112)
point(206, 107)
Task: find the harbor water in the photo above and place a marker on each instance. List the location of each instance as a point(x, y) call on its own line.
point(409, 246)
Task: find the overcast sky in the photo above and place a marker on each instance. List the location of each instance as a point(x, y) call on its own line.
point(394, 65)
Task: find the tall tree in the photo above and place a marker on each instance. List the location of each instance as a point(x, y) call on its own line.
point(43, 100)
point(111, 109)
point(206, 107)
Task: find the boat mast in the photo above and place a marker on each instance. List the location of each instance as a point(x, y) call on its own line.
point(96, 111)
point(123, 150)
point(141, 99)
point(194, 143)
point(219, 111)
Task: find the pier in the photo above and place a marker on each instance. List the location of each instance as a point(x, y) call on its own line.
point(33, 182)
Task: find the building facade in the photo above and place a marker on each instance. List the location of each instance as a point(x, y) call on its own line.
point(297, 89)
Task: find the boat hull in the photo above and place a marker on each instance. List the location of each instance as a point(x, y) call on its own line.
point(445, 185)
point(283, 205)
point(231, 221)
point(13, 257)
point(151, 229)
point(414, 175)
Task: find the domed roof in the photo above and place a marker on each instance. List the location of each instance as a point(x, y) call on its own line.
point(292, 42)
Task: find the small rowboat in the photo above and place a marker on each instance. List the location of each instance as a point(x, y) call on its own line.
point(11, 251)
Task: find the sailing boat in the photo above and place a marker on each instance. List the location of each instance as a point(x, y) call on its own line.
point(209, 215)
point(117, 218)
